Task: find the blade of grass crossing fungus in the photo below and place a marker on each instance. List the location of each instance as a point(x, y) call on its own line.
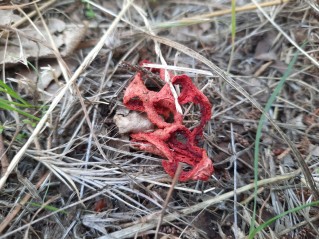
point(259, 129)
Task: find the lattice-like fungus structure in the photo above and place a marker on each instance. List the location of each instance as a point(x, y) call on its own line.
point(171, 139)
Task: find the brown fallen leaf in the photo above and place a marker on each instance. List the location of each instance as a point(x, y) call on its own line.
point(8, 17)
point(132, 122)
point(45, 82)
point(21, 48)
point(264, 50)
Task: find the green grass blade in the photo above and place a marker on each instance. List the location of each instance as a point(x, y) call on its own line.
point(6, 89)
point(17, 104)
point(233, 19)
point(6, 106)
point(233, 33)
point(270, 221)
point(12, 105)
point(259, 129)
point(47, 207)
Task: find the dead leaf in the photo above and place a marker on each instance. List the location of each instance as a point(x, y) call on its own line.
point(21, 48)
point(56, 25)
point(264, 49)
point(255, 85)
point(133, 122)
point(314, 150)
point(297, 121)
point(288, 161)
point(95, 221)
point(8, 17)
point(197, 32)
point(281, 67)
point(46, 82)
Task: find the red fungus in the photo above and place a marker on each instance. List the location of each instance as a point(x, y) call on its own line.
point(100, 205)
point(172, 141)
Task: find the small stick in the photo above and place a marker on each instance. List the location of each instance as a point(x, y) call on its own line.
point(262, 68)
point(3, 157)
point(169, 194)
point(146, 73)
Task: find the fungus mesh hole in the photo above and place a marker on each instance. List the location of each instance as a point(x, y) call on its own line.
point(164, 112)
point(135, 101)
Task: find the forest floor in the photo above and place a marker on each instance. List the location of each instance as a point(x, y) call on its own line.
point(68, 165)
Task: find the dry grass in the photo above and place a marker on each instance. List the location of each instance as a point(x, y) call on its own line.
point(72, 175)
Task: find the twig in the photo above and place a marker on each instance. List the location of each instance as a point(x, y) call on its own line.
point(146, 73)
point(169, 194)
point(3, 157)
point(234, 159)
